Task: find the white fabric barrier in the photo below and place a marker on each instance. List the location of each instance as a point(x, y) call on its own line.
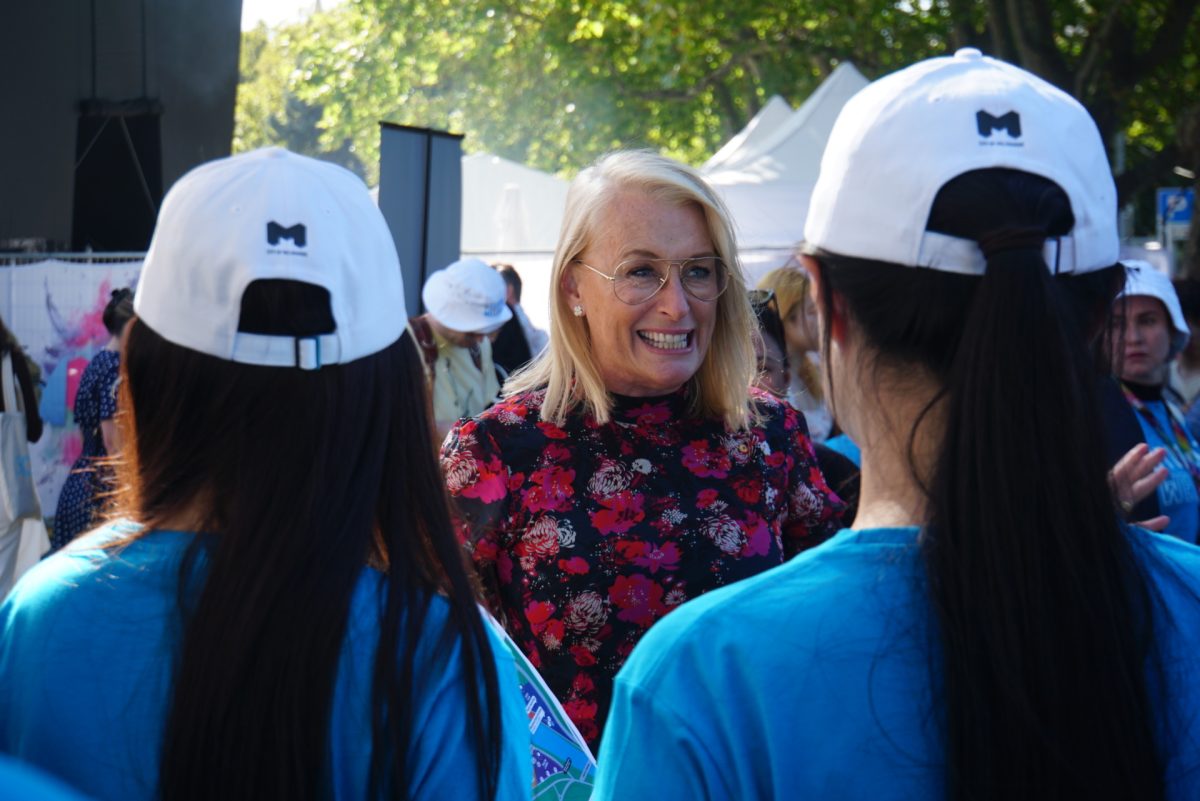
point(55, 308)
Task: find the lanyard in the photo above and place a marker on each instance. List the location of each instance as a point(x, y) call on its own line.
point(1177, 442)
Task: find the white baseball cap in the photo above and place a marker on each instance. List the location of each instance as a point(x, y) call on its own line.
point(271, 214)
point(902, 138)
point(467, 296)
point(1141, 278)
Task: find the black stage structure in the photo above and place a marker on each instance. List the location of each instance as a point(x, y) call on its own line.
point(108, 102)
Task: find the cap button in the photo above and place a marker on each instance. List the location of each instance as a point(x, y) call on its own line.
point(968, 52)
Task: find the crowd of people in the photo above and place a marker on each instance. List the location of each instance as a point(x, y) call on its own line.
point(914, 518)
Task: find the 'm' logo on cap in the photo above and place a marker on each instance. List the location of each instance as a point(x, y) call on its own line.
point(1010, 122)
point(296, 233)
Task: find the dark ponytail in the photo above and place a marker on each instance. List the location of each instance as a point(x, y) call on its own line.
point(1043, 611)
point(300, 479)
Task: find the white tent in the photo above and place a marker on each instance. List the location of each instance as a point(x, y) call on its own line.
point(767, 187)
point(746, 143)
point(508, 207)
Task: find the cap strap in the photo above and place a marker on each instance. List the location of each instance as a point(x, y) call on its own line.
point(953, 254)
point(307, 353)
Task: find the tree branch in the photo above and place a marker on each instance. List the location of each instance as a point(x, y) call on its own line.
point(1099, 41)
point(1033, 33)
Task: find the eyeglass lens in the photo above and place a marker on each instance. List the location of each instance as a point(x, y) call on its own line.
point(637, 280)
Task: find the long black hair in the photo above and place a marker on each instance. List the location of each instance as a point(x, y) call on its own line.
point(1043, 608)
point(298, 480)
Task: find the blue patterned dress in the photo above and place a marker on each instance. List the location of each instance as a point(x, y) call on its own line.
point(82, 494)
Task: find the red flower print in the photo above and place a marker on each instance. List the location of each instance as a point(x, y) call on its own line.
point(537, 613)
point(583, 657)
point(504, 567)
point(582, 684)
point(576, 565)
point(620, 513)
point(758, 536)
point(583, 714)
point(654, 557)
point(551, 634)
point(706, 498)
point(484, 551)
point(749, 490)
point(639, 599)
point(650, 415)
point(703, 462)
point(776, 459)
point(551, 431)
point(649, 555)
point(491, 484)
point(556, 453)
point(538, 542)
point(551, 490)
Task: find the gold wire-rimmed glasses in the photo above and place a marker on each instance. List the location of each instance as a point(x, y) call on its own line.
point(637, 280)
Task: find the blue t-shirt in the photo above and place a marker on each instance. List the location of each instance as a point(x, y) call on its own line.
point(812, 680)
point(1177, 496)
point(86, 645)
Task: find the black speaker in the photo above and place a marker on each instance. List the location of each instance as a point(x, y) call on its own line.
point(118, 175)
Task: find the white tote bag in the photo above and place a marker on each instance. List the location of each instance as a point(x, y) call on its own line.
point(18, 496)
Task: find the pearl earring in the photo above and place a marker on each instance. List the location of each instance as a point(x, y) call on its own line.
point(577, 309)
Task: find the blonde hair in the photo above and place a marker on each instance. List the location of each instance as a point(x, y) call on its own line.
point(567, 368)
point(790, 284)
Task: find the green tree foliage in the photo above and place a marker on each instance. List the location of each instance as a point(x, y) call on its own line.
point(554, 83)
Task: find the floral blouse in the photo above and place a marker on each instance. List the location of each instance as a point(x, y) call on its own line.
point(583, 536)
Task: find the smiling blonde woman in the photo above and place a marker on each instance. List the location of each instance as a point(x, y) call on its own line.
point(631, 468)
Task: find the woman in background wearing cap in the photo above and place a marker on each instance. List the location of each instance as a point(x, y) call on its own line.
point(89, 485)
point(465, 303)
point(629, 468)
point(987, 629)
point(1148, 332)
point(284, 612)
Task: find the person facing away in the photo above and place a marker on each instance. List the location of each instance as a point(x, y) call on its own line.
point(89, 485)
point(282, 610)
point(1148, 333)
point(465, 303)
point(987, 629)
point(631, 467)
point(25, 399)
point(518, 340)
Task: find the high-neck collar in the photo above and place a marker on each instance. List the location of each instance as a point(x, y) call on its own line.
point(628, 406)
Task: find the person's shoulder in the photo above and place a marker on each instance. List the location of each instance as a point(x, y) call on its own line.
point(107, 359)
point(22, 780)
point(112, 566)
point(520, 412)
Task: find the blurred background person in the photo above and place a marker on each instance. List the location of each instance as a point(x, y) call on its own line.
point(988, 629)
point(841, 473)
point(630, 468)
point(464, 303)
point(19, 398)
point(790, 286)
point(90, 483)
point(282, 611)
point(1185, 368)
point(518, 340)
point(1149, 331)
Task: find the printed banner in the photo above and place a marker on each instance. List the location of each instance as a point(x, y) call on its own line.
point(55, 309)
point(563, 766)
